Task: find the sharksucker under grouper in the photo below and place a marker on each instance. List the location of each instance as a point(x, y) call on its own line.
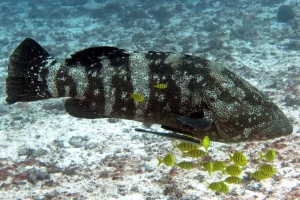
point(188, 95)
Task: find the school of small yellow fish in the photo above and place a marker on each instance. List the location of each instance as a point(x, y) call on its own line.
point(233, 171)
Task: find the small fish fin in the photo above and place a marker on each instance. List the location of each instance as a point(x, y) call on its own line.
point(199, 164)
point(205, 142)
point(82, 109)
point(26, 80)
point(251, 174)
point(200, 123)
point(91, 57)
point(174, 146)
point(231, 157)
point(223, 171)
point(261, 156)
point(159, 161)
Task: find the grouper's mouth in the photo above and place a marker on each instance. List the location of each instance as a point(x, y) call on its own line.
point(282, 129)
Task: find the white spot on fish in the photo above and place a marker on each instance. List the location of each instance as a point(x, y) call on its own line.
point(247, 132)
point(67, 90)
point(96, 92)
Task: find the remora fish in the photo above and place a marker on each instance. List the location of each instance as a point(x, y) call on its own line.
point(201, 98)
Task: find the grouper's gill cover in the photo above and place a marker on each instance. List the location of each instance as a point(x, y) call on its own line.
point(199, 98)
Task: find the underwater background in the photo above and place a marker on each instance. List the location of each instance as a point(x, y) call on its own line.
point(47, 154)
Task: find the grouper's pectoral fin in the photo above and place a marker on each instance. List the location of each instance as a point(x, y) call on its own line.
point(81, 109)
point(174, 136)
point(201, 123)
point(198, 123)
point(174, 129)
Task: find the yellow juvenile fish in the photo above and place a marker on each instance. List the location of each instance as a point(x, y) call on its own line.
point(238, 158)
point(168, 160)
point(183, 147)
point(205, 142)
point(196, 153)
point(208, 166)
point(137, 97)
point(186, 165)
point(224, 188)
point(233, 180)
point(270, 155)
point(161, 86)
point(259, 175)
point(268, 169)
point(219, 166)
point(233, 170)
point(214, 186)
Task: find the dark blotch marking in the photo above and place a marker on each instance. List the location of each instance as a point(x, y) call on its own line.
point(90, 58)
point(189, 62)
point(171, 93)
point(119, 61)
point(193, 85)
point(155, 55)
point(81, 109)
point(121, 85)
point(96, 83)
point(244, 86)
point(159, 68)
point(197, 115)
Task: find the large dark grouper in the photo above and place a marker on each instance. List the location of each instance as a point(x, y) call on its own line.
point(185, 94)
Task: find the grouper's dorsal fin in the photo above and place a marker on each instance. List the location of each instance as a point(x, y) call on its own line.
point(92, 57)
point(198, 123)
point(81, 109)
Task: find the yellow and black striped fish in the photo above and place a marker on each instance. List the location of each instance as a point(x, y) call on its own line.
point(233, 170)
point(161, 86)
point(233, 180)
point(224, 188)
point(186, 165)
point(184, 147)
point(267, 169)
point(168, 160)
point(238, 158)
point(260, 175)
point(270, 155)
point(219, 166)
point(196, 153)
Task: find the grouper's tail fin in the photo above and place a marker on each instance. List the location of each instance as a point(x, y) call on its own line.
point(27, 70)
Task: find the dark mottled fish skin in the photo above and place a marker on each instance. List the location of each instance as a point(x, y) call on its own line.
point(100, 80)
